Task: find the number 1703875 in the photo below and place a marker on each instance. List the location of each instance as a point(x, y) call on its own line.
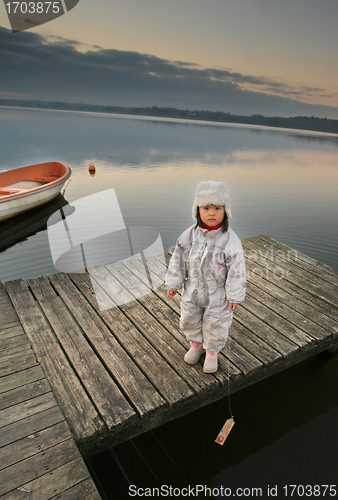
point(299, 490)
point(33, 7)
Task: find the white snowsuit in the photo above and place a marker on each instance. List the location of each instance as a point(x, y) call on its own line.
point(210, 266)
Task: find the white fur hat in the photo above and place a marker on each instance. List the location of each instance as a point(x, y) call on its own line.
point(211, 193)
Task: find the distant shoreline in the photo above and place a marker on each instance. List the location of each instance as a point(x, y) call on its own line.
point(312, 123)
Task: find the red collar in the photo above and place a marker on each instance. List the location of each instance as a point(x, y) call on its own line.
point(211, 228)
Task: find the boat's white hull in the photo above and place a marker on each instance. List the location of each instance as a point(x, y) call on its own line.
point(27, 201)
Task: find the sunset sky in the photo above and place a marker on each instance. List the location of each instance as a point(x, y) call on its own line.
point(239, 56)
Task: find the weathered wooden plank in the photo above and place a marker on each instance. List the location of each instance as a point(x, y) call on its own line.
point(110, 285)
point(264, 331)
point(34, 323)
point(307, 311)
point(2, 290)
point(15, 380)
point(166, 381)
point(129, 281)
point(11, 332)
point(25, 427)
point(11, 342)
point(78, 409)
point(300, 257)
point(253, 344)
point(33, 467)
point(283, 254)
point(8, 314)
point(15, 352)
point(16, 364)
point(159, 262)
point(52, 485)
point(26, 409)
point(166, 316)
point(33, 444)
point(3, 295)
point(157, 302)
point(85, 490)
point(9, 324)
point(133, 382)
point(279, 317)
point(305, 328)
point(242, 358)
point(24, 393)
point(156, 268)
point(303, 279)
point(290, 259)
point(227, 372)
point(8, 317)
point(174, 302)
point(152, 276)
point(310, 299)
point(258, 268)
point(108, 399)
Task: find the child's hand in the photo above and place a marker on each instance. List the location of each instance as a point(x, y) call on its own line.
point(171, 293)
point(232, 306)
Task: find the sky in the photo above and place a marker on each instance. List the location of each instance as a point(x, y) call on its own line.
point(270, 57)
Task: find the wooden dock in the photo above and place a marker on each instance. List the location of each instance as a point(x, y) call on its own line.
point(119, 372)
point(39, 459)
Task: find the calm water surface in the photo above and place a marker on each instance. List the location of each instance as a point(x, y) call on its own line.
point(282, 184)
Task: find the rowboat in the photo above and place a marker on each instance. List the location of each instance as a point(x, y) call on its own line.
point(25, 188)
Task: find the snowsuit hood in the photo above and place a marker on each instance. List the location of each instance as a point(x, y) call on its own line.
point(211, 193)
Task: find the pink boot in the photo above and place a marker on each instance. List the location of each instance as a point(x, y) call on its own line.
point(194, 353)
point(210, 363)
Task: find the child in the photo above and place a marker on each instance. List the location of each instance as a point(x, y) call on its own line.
point(208, 262)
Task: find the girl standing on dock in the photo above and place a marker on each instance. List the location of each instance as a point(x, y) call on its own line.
point(208, 262)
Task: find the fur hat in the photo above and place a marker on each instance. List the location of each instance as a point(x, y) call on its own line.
point(211, 193)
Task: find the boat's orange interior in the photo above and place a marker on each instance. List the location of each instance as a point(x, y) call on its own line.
point(31, 177)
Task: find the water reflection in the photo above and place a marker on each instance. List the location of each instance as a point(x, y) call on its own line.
point(20, 228)
point(134, 141)
point(282, 183)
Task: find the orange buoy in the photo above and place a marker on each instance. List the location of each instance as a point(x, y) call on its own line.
point(92, 169)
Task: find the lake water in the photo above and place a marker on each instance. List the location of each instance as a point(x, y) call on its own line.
point(283, 184)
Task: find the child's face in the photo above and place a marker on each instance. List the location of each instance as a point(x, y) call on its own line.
point(212, 215)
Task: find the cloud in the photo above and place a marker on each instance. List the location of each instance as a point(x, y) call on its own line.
point(64, 70)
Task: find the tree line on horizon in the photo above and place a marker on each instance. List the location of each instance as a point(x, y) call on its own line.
point(296, 122)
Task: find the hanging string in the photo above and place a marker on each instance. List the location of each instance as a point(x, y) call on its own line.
point(226, 429)
point(229, 353)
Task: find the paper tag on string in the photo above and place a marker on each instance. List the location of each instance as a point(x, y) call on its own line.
point(225, 431)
